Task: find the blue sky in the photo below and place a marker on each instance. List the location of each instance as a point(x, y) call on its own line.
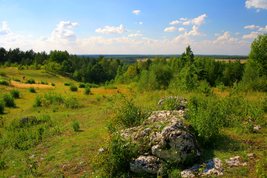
point(132, 26)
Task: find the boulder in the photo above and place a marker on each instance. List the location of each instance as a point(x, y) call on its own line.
point(163, 137)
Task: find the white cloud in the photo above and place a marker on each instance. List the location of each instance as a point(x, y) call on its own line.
point(257, 4)
point(181, 29)
point(4, 29)
point(175, 22)
point(193, 32)
point(186, 23)
point(140, 23)
point(199, 20)
point(251, 35)
point(251, 27)
point(136, 12)
point(135, 35)
point(111, 29)
point(64, 31)
point(225, 38)
point(170, 29)
point(263, 29)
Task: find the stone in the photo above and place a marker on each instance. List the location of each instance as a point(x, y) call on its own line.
point(251, 155)
point(145, 164)
point(235, 162)
point(187, 174)
point(163, 137)
point(256, 128)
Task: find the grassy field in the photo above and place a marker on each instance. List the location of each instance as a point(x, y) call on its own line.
point(65, 152)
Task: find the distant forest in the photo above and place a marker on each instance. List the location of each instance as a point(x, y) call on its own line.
point(185, 71)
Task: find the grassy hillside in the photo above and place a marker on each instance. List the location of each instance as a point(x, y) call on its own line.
point(63, 151)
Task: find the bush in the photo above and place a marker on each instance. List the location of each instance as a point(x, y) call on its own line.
point(53, 84)
point(206, 115)
point(115, 161)
point(37, 101)
point(44, 82)
point(204, 88)
point(87, 91)
point(4, 82)
point(32, 90)
point(15, 93)
point(30, 81)
point(129, 115)
point(73, 88)
point(71, 102)
point(2, 106)
point(9, 101)
point(82, 85)
point(76, 126)
point(67, 84)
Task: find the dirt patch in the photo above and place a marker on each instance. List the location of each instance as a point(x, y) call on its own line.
point(25, 85)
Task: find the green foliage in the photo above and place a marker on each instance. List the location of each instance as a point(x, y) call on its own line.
point(4, 82)
point(206, 116)
point(114, 162)
point(15, 93)
point(44, 82)
point(32, 90)
point(204, 88)
point(27, 132)
point(53, 84)
point(73, 88)
point(52, 98)
point(9, 101)
point(67, 84)
point(3, 164)
point(129, 115)
point(82, 85)
point(2, 106)
point(71, 102)
point(87, 91)
point(75, 126)
point(30, 81)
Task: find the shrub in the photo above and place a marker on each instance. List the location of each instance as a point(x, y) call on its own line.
point(129, 115)
point(87, 91)
point(73, 88)
point(2, 164)
point(51, 98)
point(30, 81)
point(32, 90)
point(204, 88)
point(2, 106)
point(67, 84)
point(37, 101)
point(115, 161)
point(44, 82)
point(53, 84)
point(15, 93)
point(2, 74)
point(206, 115)
point(82, 85)
point(76, 126)
point(4, 82)
point(71, 102)
point(9, 101)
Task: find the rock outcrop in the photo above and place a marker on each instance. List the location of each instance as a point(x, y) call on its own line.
point(163, 137)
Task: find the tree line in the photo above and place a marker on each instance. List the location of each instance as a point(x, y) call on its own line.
point(185, 72)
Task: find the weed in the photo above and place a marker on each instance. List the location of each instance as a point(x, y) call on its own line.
point(82, 85)
point(71, 103)
point(37, 101)
point(76, 126)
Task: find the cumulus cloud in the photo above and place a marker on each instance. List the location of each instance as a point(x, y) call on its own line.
point(111, 29)
point(136, 12)
point(225, 38)
point(251, 27)
point(181, 29)
point(135, 35)
point(4, 29)
point(175, 22)
point(64, 31)
point(170, 29)
point(257, 4)
point(251, 35)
